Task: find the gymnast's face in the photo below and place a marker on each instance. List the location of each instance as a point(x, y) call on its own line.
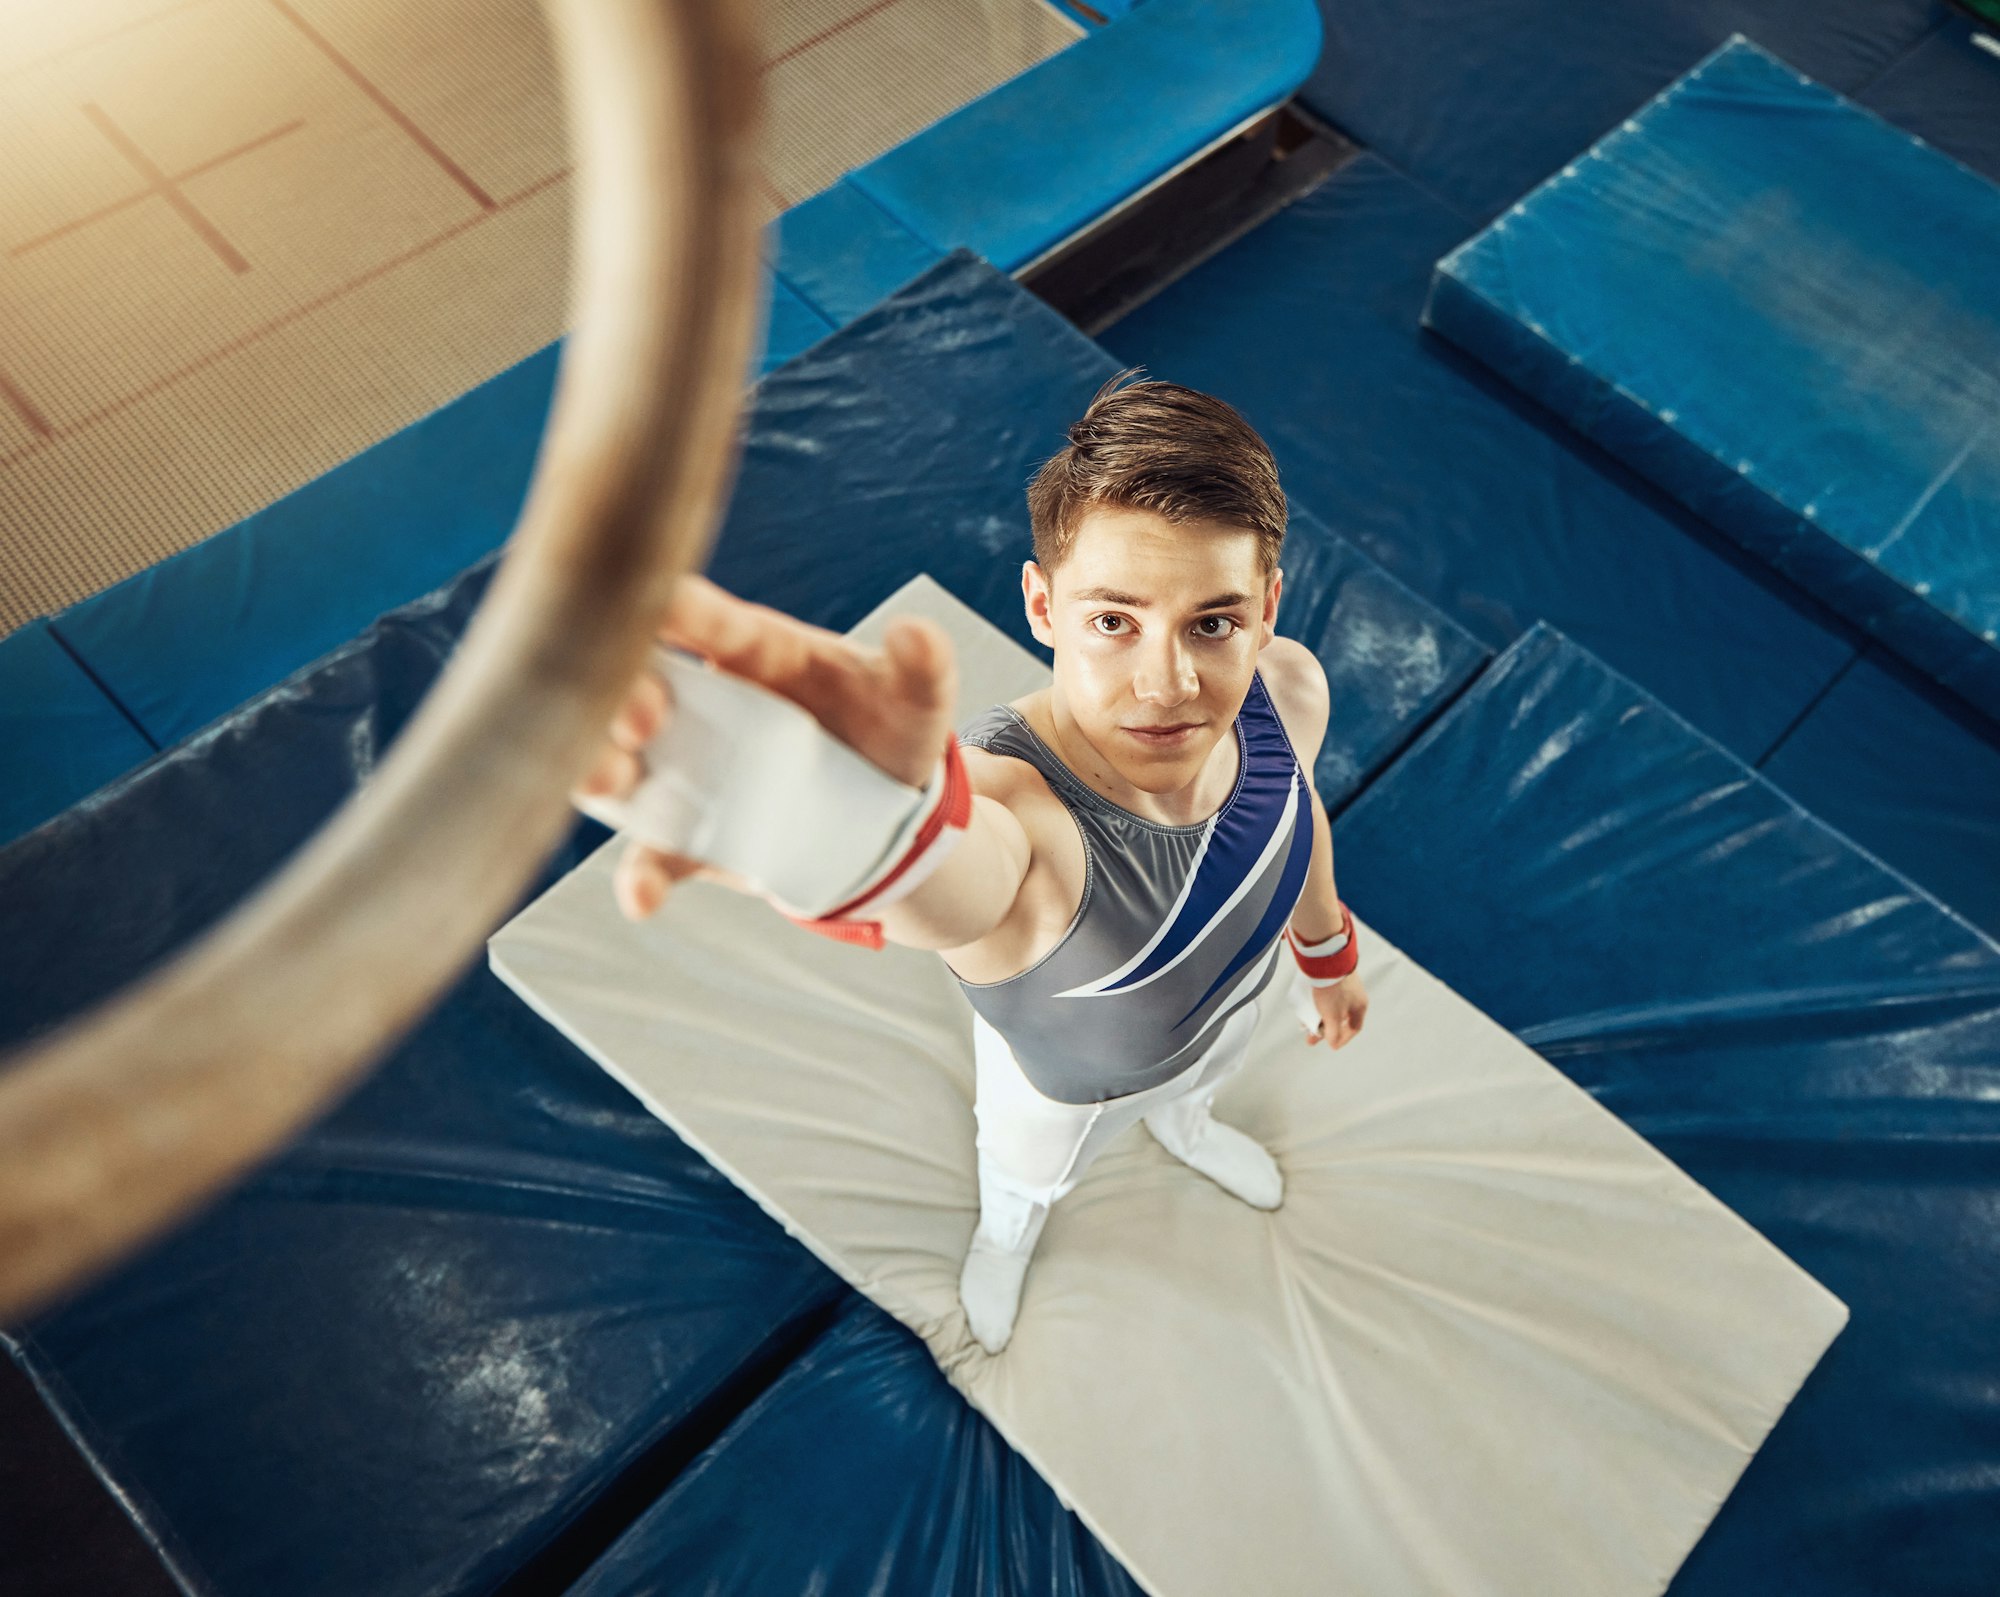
point(1156, 629)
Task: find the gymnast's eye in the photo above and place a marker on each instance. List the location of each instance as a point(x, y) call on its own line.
point(1109, 625)
point(1232, 625)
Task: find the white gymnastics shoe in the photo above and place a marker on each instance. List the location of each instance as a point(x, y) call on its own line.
point(989, 1287)
point(1234, 1162)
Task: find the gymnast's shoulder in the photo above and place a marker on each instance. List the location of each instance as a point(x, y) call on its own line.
point(1296, 682)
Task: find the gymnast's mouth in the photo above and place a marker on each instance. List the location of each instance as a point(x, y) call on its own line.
point(1160, 735)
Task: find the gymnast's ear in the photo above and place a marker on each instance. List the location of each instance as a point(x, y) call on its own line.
point(1271, 593)
point(1038, 599)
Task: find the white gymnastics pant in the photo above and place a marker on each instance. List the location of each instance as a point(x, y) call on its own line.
point(1033, 1149)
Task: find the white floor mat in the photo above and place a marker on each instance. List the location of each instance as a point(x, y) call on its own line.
point(1493, 1342)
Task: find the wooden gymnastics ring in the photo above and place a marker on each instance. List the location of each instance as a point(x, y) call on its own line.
point(123, 1120)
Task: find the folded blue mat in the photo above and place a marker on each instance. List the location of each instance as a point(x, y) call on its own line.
point(1779, 308)
point(1807, 1035)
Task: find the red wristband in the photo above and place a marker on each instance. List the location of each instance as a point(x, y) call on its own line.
point(1327, 962)
point(926, 852)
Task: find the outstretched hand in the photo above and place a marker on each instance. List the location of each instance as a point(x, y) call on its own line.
point(892, 705)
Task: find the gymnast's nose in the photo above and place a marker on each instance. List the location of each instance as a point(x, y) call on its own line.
point(1166, 675)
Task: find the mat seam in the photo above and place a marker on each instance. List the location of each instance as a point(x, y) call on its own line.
point(102, 687)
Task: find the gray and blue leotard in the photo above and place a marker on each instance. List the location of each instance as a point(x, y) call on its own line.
point(1179, 926)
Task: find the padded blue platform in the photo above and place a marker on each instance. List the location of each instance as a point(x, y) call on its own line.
point(1478, 103)
point(60, 736)
point(1002, 176)
point(1803, 1032)
point(471, 1319)
point(1780, 309)
point(1476, 499)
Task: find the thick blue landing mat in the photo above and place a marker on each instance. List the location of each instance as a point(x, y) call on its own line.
point(1480, 102)
point(1481, 502)
point(1904, 769)
point(1778, 308)
point(1805, 1033)
point(861, 1470)
point(905, 442)
point(415, 1352)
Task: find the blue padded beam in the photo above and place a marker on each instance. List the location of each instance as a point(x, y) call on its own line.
point(791, 325)
point(186, 640)
point(1780, 309)
point(1002, 176)
point(60, 736)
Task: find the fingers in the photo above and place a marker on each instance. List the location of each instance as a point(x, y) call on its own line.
point(642, 714)
point(922, 671)
point(750, 640)
point(615, 774)
point(643, 877)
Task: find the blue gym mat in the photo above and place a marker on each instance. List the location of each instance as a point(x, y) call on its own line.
point(1777, 307)
point(860, 1470)
point(444, 1338)
point(1813, 1039)
point(1475, 498)
point(420, 1349)
point(1904, 769)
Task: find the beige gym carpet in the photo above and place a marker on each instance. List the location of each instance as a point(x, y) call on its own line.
point(242, 240)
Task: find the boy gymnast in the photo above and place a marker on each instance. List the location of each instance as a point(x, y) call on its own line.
point(1115, 867)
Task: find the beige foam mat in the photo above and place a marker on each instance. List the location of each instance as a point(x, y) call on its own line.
point(1493, 1343)
point(242, 240)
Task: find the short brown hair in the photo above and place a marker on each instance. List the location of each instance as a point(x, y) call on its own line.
point(1156, 446)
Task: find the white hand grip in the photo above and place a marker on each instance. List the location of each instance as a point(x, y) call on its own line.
point(743, 778)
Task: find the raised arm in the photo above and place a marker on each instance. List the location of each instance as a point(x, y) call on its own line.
point(892, 705)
